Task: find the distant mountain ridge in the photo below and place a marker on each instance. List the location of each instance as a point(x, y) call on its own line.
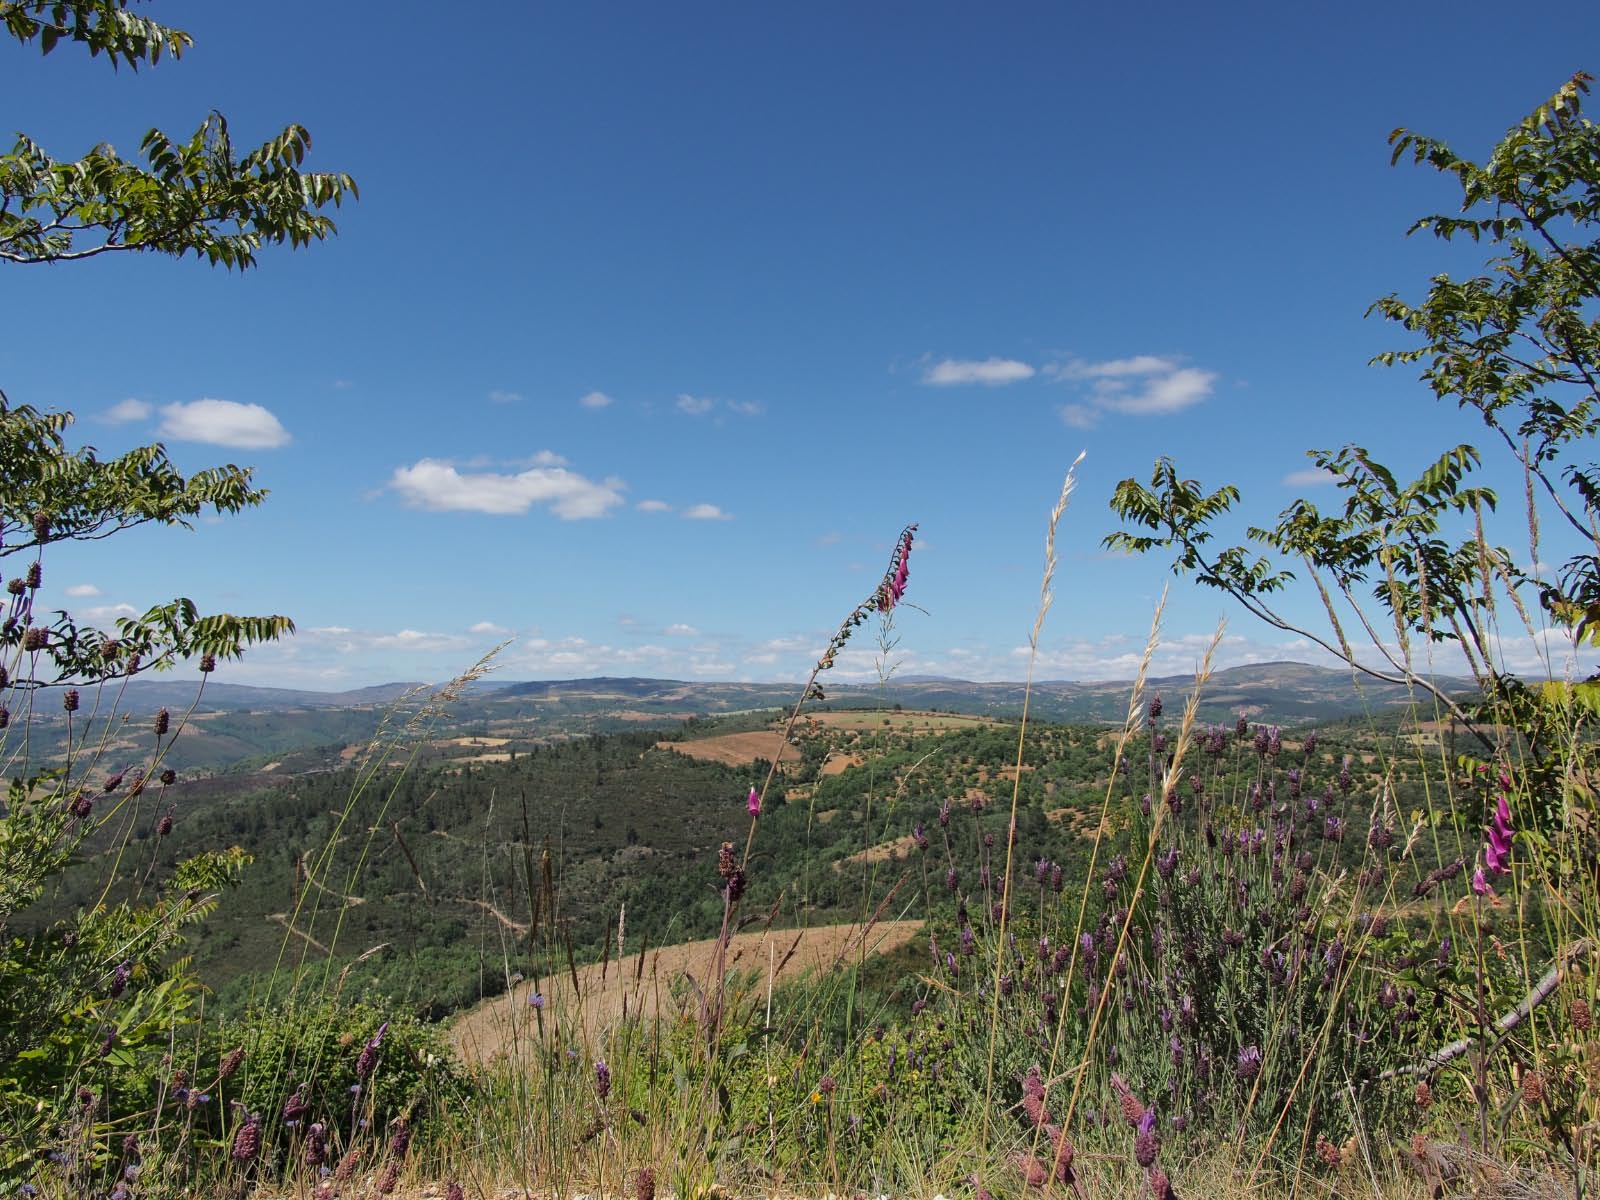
point(236, 725)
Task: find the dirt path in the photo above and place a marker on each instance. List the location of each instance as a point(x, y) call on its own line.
point(509, 1022)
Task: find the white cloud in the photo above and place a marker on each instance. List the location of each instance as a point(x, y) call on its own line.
point(1310, 477)
point(695, 406)
point(416, 639)
point(83, 589)
point(991, 372)
point(125, 411)
point(653, 506)
point(223, 423)
point(681, 630)
point(1143, 385)
point(502, 397)
point(438, 486)
point(596, 400)
point(706, 512)
point(104, 615)
point(1163, 393)
point(487, 627)
point(747, 408)
point(1116, 368)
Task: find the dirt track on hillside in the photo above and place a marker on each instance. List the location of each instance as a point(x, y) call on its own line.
point(509, 1023)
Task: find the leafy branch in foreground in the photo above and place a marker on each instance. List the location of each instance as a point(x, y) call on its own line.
point(195, 198)
point(1520, 346)
point(101, 26)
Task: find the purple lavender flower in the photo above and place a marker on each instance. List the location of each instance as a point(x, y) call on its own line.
point(368, 1058)
point(602, 1078)
point(919, 835)
point(1144, 1141)
point(752, 803)
point(119, 979)
point(1249, 1064)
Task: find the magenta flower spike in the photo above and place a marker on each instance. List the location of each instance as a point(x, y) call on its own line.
point(1497, 852)
point(753, 803)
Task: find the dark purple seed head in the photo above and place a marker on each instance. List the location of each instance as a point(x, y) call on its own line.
point(952, 881)
point(316, 1152)
point(208, 663)
point(1153, 713)
point(919, 835)
point(944, 815)
point(35, 576)
point(113, 782)
point(1144, 1149)
point(164, 825)
point(82, 805)
point(70, 700)
point(602, 1078)
point(247, 1140)
point(168, 775)
point(1310, 745)
point(163, 722)
point(119, 979)
point(34, 638)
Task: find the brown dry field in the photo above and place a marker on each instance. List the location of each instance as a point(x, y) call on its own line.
point(735, 749)
point(507, 1023)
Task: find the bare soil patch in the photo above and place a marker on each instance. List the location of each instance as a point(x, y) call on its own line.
point(736, 749)
point(838, 764)
point(644, 985)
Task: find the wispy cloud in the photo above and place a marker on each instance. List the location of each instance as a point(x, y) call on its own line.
point(747, 408)
point(488, 627)
point(991, 372)
point(681, 630)
point(706, 512)
point(83, 589)
point(595, 400)
point(223, 423)
point(437, 485)
point(125, 411)
point(653, 506)
point(1143, 385)
point(502, 397)
point(1310, 477)
point(695, 406)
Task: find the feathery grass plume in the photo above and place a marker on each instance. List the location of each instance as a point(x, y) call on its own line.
point(1046, 599)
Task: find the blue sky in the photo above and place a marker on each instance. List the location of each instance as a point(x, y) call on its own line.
point(655, 323)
